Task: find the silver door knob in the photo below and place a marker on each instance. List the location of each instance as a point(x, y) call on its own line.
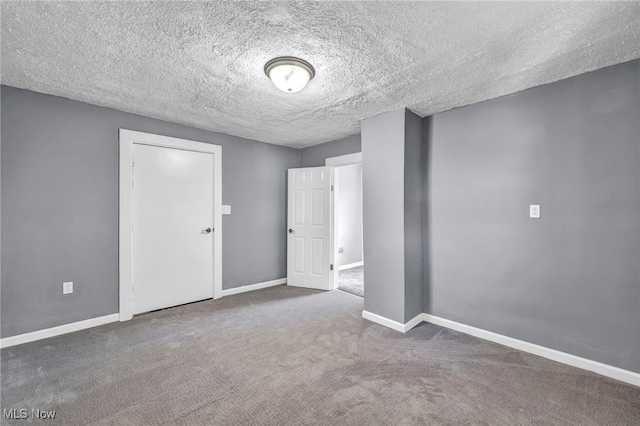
point(291, 231)
point(206, 231)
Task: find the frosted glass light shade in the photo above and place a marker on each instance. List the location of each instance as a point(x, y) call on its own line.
point(289, 74)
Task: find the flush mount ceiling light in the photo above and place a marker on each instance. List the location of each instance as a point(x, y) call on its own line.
point(289, 74)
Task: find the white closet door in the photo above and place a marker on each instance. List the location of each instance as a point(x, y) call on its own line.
point(172, 203)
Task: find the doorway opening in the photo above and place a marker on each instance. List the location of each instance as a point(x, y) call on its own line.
point(347, 216)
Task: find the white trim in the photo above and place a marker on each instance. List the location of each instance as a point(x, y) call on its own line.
point(127, 139)
point(350, 266)
point(57, 331)
point(333, 230)
point(252, 287)
point(413, 322)
point(394, 325)
point(552, 354)
point(335, 178)
point(344, 160)
point(125, 223)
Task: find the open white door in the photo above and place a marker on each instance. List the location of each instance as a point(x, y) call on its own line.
point(309, 254)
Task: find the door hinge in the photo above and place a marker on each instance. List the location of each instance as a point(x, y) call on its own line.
point(332, 188)
point(331, 267)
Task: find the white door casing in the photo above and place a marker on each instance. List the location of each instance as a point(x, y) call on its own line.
point(172, 227)
point(309, 240)
point(129, 139)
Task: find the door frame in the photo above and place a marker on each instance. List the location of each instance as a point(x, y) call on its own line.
point(342, 160)
point(125, 239)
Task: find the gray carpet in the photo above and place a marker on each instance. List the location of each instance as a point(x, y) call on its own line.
point(352, 281)
point(290, 356)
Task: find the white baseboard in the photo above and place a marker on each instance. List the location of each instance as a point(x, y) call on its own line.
point(94, 322)
point(552, 354)
point(562, 357)
point(252, 287)
point(413, 322)
point(394, 325)
point(350, 265)
point(56, 331)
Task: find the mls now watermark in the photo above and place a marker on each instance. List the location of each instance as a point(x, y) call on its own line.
point(23, 414)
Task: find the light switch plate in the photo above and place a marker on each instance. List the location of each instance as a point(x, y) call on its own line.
point(67, 287)
point(226, 209)
point(534, 211)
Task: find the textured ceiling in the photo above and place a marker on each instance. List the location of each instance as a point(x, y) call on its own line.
point(201, 63)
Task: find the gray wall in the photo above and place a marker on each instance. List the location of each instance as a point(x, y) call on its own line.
point(571, 279)
point(413, 257)
point(349, 213)
point(383, 213)
point(60, 207)
point(426, 217)
point(315, 155)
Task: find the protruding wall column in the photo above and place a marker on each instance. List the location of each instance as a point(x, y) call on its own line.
point(392, 215)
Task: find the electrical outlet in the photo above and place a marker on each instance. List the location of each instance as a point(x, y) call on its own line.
point(534, 211)
point(67, 287)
